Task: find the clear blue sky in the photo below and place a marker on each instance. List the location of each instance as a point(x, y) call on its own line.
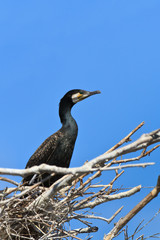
point(50, 47)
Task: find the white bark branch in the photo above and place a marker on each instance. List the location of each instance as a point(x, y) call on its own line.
point(76, 194)
point(60, 170)
point(98, 217)
point(107, 198)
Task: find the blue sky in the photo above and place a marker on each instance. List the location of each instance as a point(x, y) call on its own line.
point(50, 47)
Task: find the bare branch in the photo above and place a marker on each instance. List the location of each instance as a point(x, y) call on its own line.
point(9, 180)
point(126, 139)
point(60, 170)
point(122, 222)
point(111, 197)
point(35, 212)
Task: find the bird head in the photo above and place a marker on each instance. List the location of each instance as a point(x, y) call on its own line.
point(77, 95)
point(71, 98)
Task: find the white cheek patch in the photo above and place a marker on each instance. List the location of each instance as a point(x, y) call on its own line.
point(76, 97)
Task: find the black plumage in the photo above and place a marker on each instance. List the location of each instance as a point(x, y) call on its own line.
point(58, 148)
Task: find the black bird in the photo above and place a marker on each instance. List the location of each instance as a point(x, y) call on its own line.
point(58, 148)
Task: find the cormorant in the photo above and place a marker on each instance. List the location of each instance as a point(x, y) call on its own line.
point(58, 148)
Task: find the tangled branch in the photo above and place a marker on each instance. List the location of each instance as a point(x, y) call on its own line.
point(36, 212)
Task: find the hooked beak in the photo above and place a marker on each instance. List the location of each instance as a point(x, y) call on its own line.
point(88, 94)
point(94, 92)
point(79, 97)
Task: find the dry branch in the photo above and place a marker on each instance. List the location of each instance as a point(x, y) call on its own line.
point(60, 170)
point(35, 212)
point(122, 222)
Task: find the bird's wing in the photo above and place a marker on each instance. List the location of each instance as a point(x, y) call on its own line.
point(45, 150)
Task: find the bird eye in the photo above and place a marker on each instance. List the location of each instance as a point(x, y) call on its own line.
point(81, 92)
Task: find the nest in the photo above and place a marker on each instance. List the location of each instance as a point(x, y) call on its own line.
point(18, 222)
point(22, 218)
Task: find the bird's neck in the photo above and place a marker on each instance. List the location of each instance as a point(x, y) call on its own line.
point(66, 118)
